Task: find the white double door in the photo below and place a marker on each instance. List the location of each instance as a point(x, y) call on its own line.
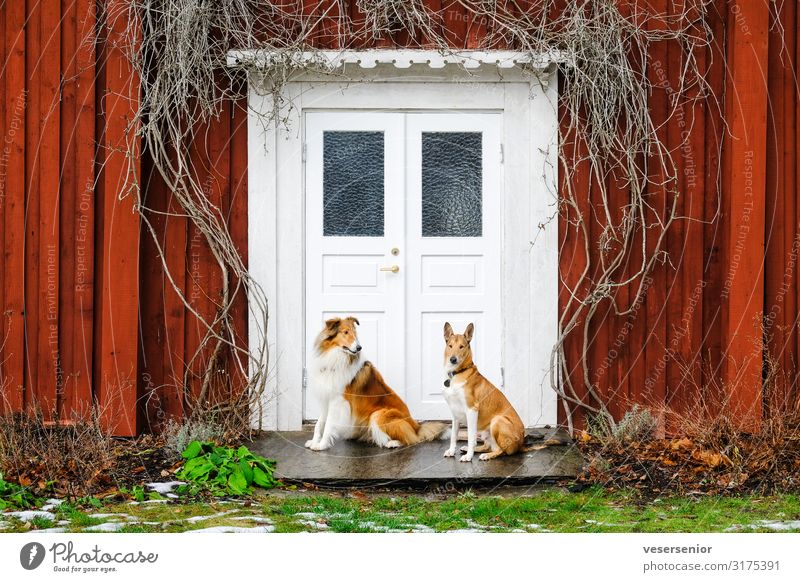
point(403, 232)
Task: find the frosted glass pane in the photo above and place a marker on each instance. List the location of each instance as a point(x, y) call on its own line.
point(452, 174)
point(352, 183)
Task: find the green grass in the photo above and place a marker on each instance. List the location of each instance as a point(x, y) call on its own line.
point(42, 523)
point(77, 519)
point(593, 510)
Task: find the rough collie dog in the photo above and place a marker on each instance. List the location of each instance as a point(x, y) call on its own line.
point(478, 403)
point(355, 401)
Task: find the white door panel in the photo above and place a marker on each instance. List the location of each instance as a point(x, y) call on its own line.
point(439, 228)
point(349, 239)
point(453, 241)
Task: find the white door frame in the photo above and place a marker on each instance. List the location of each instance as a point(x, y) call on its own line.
point(276, 215)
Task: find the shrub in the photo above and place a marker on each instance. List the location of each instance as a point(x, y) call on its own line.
point(70, 459)
point(13, 496)
point(224, 470)
point(637, 424)
point(178, 436)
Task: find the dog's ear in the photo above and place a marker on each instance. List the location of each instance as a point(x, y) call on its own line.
point(469, 331)
point(448, 331)
point(354, 320)
point(332, 326)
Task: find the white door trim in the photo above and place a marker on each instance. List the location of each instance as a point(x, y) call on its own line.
point(276, 215)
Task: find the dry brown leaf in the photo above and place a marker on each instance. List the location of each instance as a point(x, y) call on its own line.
point(683, 443)
point(710, 458)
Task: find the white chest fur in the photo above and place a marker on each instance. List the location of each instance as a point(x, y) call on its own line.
point(331, 372)
point(456, 400)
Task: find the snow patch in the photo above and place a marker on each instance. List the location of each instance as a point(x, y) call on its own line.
point(313, 524)
point(773, 525)
point(166, 487)
point(232, 529)
point(109, 526)
point(30, 515)
point(255, 518)
point(113, 515)
point(197, 518)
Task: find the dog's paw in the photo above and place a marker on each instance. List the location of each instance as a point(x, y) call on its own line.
point(464, 449)
point(310, 444)
point(393, 444)
point(319, 446)
point(485, 457)
point(466, 458)
point(450, 453)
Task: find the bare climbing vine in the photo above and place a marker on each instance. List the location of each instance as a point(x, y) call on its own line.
point(179, 48)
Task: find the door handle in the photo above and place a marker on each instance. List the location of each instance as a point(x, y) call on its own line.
point(393, 269)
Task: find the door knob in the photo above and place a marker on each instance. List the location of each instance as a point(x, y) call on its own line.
point(393, 269)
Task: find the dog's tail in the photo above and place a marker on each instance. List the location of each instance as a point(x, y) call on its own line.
point(430, 431)
point(551, 442)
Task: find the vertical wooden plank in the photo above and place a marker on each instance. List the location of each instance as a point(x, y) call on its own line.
point(67, 204)
point(163, 312)
point(455, 23)
point(237, 221)
point(118, 285)
point(210, 160)
point(654, 392)
point(174, 310)
point(617, 357)
point(692, 140)
point(791, 233)
point(713, 231)
point(636, 320)
point(435, 6)
point(151, 309)
point(477, 28)
point(199, 271)
point(675, 349)
point(48, 357)
point(359, 37)
point(743, 287)
point(83, 214)
point(219, 156)
point(599, 326)
point(573, 262)
point(76, 208)
point(5, 43)
point(14, 167)
point(32, 163)
point(775, 213)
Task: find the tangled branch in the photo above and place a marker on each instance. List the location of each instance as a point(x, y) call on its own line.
point(606, 126)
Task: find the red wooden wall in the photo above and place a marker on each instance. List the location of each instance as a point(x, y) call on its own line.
point(87, 312)
point(69, 292)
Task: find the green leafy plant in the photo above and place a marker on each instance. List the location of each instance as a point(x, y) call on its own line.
point(224, 470)
point(13, 496)
point(139, 494)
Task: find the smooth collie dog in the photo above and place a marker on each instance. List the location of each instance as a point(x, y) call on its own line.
point(478, 403)
point(355, 400)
